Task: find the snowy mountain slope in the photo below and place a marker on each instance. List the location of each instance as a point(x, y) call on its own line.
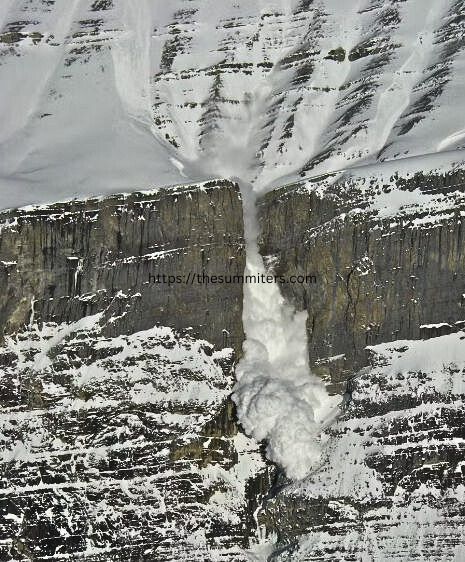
point(67, 128)
point(316, 85)
point(107, 95)
point(391, 486)
point(101, 96)
point(109, 447)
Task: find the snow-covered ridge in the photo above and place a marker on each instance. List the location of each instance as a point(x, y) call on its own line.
point(105, 96)
point(419, 191)
point(89, 204)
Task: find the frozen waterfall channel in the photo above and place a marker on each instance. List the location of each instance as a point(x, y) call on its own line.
point(278, 398)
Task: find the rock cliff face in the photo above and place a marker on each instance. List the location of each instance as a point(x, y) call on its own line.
point(120, 440)
point(381, 273)
point(388, 259)
point(66, 261)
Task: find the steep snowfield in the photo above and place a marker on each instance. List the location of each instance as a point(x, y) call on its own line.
point(70, 122)
point(108, 95)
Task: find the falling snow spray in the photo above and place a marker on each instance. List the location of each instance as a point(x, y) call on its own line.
point(278, 398)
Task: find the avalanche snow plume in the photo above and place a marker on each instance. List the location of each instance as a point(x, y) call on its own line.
point(277, 397)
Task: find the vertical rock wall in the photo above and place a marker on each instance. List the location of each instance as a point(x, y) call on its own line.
point(378, 278)
point(66, 261)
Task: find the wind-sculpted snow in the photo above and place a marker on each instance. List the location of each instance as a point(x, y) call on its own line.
point(100, 96)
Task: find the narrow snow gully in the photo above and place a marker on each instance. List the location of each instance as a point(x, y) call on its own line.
point(278, 398)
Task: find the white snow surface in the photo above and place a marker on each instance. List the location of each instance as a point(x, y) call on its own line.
point(72, 128)
point(100, 97)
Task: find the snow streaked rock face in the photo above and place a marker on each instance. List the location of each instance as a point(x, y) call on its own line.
point(111, 448)
point(317, 85)
point(385, 243)
point(120, 442)
point(105, 95)
point(392, 484)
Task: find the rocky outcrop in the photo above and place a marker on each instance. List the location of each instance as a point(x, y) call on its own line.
point(380, 275)
point(143, 258)
point(122, 448)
